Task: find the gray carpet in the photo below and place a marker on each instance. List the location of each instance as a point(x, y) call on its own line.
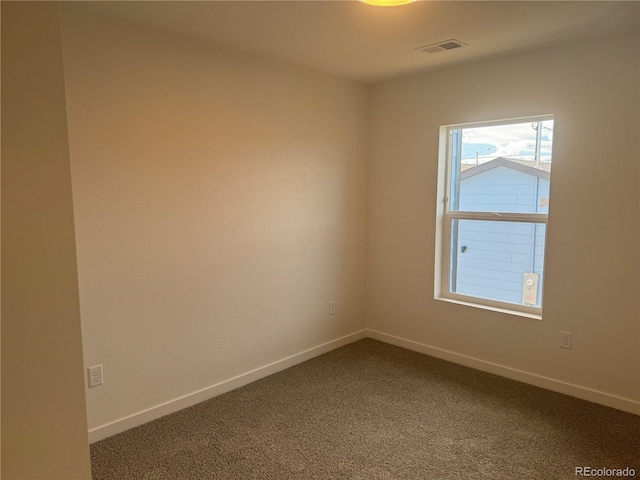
point(374, 411)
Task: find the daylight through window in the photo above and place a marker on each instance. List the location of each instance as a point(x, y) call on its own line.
point(494, 220)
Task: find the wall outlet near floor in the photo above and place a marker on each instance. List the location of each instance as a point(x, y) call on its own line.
point(565, 340)
point(95, 376)
point(332, 307)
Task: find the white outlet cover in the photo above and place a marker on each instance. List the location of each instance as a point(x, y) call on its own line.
point(95, 376)
point(565, 340)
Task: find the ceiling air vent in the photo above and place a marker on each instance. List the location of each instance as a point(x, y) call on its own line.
point(450, 44)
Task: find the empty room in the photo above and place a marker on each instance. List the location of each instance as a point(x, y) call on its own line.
point(320, 239)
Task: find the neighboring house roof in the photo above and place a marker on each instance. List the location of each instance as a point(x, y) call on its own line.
point(524, 166)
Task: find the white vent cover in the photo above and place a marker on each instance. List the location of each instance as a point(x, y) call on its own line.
point(445, 45)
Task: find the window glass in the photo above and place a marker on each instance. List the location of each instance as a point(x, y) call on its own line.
point(502, 168)
point(496, 206)
point(500, 261)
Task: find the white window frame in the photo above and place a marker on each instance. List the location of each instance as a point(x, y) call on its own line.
point(445, 216)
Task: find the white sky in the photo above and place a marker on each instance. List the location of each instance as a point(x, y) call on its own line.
point(516, 141)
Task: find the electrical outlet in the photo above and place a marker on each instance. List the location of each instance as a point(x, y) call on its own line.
point(95, 376)
point(565, 340)
point(332, 307)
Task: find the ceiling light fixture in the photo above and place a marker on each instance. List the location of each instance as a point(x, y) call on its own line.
point(386, 3)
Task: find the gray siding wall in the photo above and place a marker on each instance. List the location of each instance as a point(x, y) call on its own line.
point(497, 254)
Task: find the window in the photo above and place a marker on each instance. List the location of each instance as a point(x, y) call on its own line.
point(494, 202)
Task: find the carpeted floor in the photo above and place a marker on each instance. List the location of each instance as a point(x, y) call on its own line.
point(374, 411)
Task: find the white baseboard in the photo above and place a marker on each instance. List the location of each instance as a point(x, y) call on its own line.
point(136, 419)
point(123, 424)
point(602, 398)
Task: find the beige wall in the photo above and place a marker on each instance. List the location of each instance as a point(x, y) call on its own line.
point(44, 426)
point(220, 204)
point(592, 259)
point(221, 201)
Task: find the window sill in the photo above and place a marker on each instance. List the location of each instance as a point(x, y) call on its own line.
point(507, 311)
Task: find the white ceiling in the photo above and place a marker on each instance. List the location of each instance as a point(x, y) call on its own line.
point(369, 44)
